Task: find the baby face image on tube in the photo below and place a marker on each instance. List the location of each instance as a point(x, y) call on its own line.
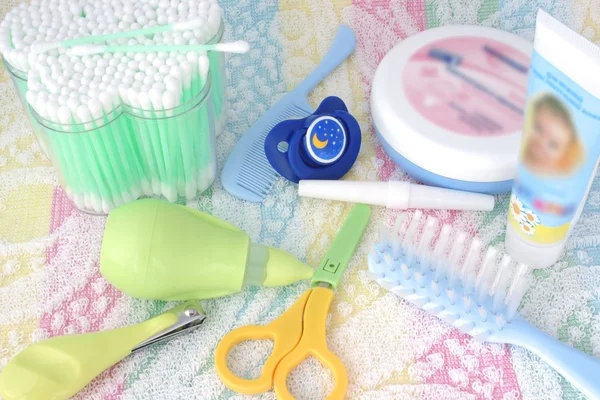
point(551, 143)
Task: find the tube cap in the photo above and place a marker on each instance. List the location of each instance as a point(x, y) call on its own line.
point(397, 195)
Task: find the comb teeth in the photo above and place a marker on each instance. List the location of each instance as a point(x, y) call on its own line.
point(451, 277)
point(255, 173)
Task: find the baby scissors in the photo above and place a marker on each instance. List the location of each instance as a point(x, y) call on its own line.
point(300, 331)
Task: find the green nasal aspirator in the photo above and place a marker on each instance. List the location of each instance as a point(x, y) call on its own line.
point(153, 249)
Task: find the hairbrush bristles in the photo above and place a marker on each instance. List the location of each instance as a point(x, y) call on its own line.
point(449, 275)
point(476, 290)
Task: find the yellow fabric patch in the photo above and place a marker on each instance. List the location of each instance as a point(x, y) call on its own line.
point(14, 267)
point(591, 24)
point(18, 336)
point(26, 214)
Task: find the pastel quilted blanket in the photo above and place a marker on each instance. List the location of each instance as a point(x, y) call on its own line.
point(50, 282)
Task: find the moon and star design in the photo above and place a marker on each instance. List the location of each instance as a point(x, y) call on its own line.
point(325, 140)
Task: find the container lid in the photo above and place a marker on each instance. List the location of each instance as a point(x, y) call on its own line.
point(451, 101)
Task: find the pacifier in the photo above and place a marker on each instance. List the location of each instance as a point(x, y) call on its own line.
point(323, 145)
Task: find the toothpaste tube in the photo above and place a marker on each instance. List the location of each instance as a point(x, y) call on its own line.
point(560, 146)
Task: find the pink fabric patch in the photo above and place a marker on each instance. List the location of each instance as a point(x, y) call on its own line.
point(84, 311)
point(378, 26)
point(482, 369)
point(61, 209)
point(457, 360)
point(88, 307)
point(118, 391)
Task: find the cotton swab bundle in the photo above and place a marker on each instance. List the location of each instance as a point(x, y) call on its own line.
point(170, 151)
point(44, 25)
point(476, 291)
point(128, 110)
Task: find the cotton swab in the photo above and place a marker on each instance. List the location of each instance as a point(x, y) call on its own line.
point(170, 100)
point(105, 139)
point(150, 184)
point(123, 136)
point(72, 183)
point(186, 70)
point(150, 103)
point(166, 133)
point(149, 158)
point(205, 152)
point(218, 84)
point(96, 157)
point(239, 47)
point(87, 179)
point(44, 47)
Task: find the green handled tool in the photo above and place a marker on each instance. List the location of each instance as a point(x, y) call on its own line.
point(300, 331)
point(61, 366)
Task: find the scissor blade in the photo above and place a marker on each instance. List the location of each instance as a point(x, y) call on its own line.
point(335, 262)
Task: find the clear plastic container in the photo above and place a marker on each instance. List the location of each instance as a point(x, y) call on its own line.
point(177, 146)
point(130, 152)
point(219, 82)
point(19, 79)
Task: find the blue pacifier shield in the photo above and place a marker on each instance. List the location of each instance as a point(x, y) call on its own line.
point(323, 145)
point(325, 140)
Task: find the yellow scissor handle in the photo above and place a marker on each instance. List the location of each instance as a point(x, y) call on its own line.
point(285, 331)
point(313, 343)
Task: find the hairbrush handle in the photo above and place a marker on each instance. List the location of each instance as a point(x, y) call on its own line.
point(579, 368)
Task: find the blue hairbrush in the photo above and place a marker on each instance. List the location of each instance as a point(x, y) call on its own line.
point(476, 292)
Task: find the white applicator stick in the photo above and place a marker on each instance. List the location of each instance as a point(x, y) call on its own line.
point(40, 47)
point(103, 137)
point(204, 154)
point(161, 138)
point(396, 195)
point(170, 100)
point(97, 156)
point(151, 138)
point(88, 185)
point(239, 47)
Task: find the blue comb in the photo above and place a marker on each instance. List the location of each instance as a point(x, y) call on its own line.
point(247, 173)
